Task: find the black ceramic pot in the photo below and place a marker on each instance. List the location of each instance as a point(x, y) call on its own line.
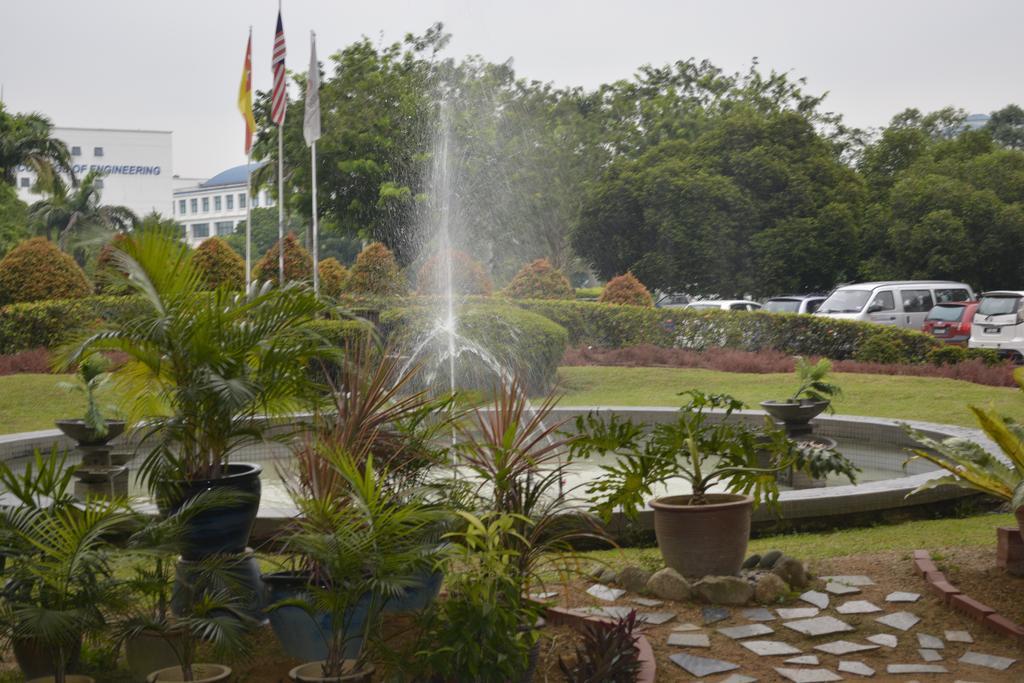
point(224, 530)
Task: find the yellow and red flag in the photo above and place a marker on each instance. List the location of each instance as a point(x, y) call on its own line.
point(245, 96)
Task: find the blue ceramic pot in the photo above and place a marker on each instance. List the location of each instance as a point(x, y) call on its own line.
point(224, 530)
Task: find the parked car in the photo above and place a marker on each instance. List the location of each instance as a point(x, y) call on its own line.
point(999, 324)
point(724, 304)
point(794, 303)
point(951, 322)
point(671, 300)
point(898, 303)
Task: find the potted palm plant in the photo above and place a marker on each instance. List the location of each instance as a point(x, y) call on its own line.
point(813, 395)
point(728, 466)
point(972, 467)
point(59, 584)
point(363, 547)
point(94, 428)
point(205, 371)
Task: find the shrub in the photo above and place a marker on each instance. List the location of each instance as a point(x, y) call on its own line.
point(606, 653)
point(332, 277)
point(947, 355)
point(37, 270)
point(468, 276)
point(220, 264)
point(524, 344)
point(881, 349)
point(987, 356)
point(588, 293)
point(298, 264)
point(626, 289)
point(376, 272)
point(34, 361)
point(539, 280)
point(48, 324)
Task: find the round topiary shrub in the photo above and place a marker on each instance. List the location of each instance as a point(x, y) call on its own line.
point(221, 265)
point(298, 264)
point(376, 273)
point(332, 277)
point(627, 290)
point(468, 276)
point(539, 280)
point(36, 270)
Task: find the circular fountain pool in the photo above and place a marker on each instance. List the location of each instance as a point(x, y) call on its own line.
point(877, 446)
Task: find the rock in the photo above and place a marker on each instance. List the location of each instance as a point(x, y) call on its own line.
point(769, 589)
point(751, 562)
point(668, 584)
point(723, 590)
point(606, 576)
point(792, 571)
point(769, 559)
point(633, 579)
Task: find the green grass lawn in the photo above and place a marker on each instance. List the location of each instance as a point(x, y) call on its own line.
point(32, 402)
point(911, 398)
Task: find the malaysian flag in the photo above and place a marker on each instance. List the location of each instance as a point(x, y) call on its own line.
point(279, 101)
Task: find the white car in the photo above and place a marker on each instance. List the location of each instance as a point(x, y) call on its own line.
point(999, 324)
point(724, 304)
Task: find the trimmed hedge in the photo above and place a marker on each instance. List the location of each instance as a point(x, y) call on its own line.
point(527, 345)
point(610, 326)
point(51, 323)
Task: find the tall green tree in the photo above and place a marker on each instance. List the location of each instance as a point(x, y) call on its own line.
point(1007, 126)
point(27, 140)
point(13, 218)
point(75, 217)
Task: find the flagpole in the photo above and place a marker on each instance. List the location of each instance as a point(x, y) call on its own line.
point(316, 237)
point(280, 205)
point(248, 221)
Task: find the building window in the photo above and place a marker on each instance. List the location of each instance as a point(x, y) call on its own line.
point(206, 204)
point(229, 201)
point(201, 230)
point(255, 201)
point(25, 182)
point(216, 203)
point(76, 151)
point(97, 151)
point(181, 207)
point(224, 228)
point(195, 205)
point(241, 201)
point(184, 231)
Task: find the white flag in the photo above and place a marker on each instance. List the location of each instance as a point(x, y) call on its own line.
point(311, 123)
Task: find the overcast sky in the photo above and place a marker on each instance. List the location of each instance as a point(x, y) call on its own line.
point(175, 65)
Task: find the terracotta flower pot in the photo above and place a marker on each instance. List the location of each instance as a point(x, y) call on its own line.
point(702, 540)
point(1019, 513)
point(312, 672)
point(204, 673)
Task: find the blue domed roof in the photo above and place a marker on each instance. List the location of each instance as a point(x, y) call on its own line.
point(233, 176)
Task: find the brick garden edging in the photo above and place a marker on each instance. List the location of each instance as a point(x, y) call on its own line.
point(951, 595)
point(648, 667)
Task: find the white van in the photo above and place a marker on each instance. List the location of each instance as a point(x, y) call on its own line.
point(999, 324)
point(899, 303)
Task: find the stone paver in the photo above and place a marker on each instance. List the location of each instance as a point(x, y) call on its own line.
point(713, 614)
point(844, 647)
point(959, 637)
point(655, 618)
point(851, 579)
point(808, 675)
point(689, 639)
point(797, 612)
point(758, 614)
point(816, 598)
point(988, 661)
point(902, 596)
point(836, 588)
point(818, 626)
point(702, 666)
point(915, 669)
point(605, 593)
point(902, 621)
point(746, 631)
point(804, 659)
point(883, 639)
point(855, 667)
point(930, 642)
point(648, 602)
point(858, 607)
point(686, 627)
point(929, 655)
point(544, 597)
point(769, 648)
point(615, 611)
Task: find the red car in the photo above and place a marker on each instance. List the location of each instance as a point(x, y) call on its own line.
point(951, 322)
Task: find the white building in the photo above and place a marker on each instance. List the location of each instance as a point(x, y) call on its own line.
point(137, 166)
point(216, 206)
